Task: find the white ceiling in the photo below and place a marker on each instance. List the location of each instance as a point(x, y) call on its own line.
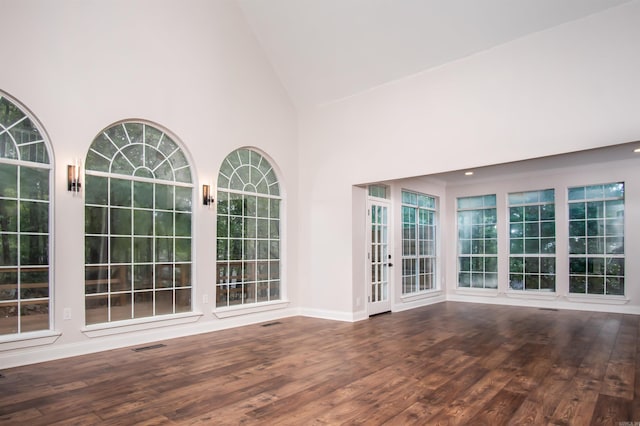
point(324, 50)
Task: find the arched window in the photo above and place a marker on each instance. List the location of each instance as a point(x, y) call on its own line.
point(24, 222)
point(248, 244)
point(138, 198)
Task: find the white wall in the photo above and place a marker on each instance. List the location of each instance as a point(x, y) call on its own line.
point(194, 68)
point(569, 88)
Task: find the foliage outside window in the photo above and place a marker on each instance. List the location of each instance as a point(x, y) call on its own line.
point(477, 242)
point(138, 207)
point(418, 242)
point(248, 230)
point(596, 239)
point(24, 223)
point(532, 241)
point(379, 191)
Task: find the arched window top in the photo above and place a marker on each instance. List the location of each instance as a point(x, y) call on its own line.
point(20, 138)
point(248, 171)
point(138, 149)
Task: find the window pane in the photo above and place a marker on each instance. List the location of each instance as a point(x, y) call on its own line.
point(120, 192)
point(164, 197)
point(164, 223)
point(143, 195)
point(604, 209)
point(142, 250)
point(34, 183)
point(8, 180)
point(8, 215)
point(577, 211)
point(34, 316)
point(183, 250)
point(120, 221)
point(183, 224)
point(34, 249)
point(576, 193)
point(120, 250)
point(97, 190)
point(547, 212)
point(143, 222)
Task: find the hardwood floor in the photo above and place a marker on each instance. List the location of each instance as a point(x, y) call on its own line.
point(450, 363)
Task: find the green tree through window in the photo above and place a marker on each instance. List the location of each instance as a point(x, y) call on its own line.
point(24, 222)
point(248, 231)
point(477, 242)
point(596, 239)
point(138, 206)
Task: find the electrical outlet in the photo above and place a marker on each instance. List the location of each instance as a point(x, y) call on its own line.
point(205, 299)
point(66, 314)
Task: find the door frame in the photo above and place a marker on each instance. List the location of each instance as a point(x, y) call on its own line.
point(383, 306)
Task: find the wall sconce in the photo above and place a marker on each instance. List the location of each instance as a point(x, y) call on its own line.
point(73, 178)
point(207, 199)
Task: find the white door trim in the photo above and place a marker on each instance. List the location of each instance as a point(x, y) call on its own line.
point(378, 276)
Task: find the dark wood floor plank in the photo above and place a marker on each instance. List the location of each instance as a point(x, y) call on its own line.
point(500, 409)
point(578, 403)
point(368, 402)
point(619, 380)
point(453, 363)
point(473, 400)
point(541, 402)
point(21, 417)
point(612, 411)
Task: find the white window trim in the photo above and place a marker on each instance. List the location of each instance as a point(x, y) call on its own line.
point(238, 310)
point(28, 339)
point(140, 324)
point(424, 294)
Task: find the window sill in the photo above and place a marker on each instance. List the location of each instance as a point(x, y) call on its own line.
point(426, 294)
point(600, 299)
point(27, 340)
point(487, 292)
point(238, 310)
point(118, 327)
point(540, 295)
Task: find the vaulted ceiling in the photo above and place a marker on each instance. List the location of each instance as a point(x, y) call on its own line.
point(326, 50)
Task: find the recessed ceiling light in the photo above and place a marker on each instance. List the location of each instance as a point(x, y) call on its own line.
point(468, 173)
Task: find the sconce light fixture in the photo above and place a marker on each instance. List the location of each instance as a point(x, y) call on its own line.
point(207, 199)
point(73, 177)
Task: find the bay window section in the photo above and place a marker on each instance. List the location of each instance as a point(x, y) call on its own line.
point(532, 242)
point(596, 239)
point(418, 242)
point(477, 242)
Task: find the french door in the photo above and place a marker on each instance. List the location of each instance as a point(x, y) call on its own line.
point(378, 257)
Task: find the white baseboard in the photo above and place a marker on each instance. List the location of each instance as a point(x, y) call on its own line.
point(418, 303)
point(331, 315)
point(555, 303)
